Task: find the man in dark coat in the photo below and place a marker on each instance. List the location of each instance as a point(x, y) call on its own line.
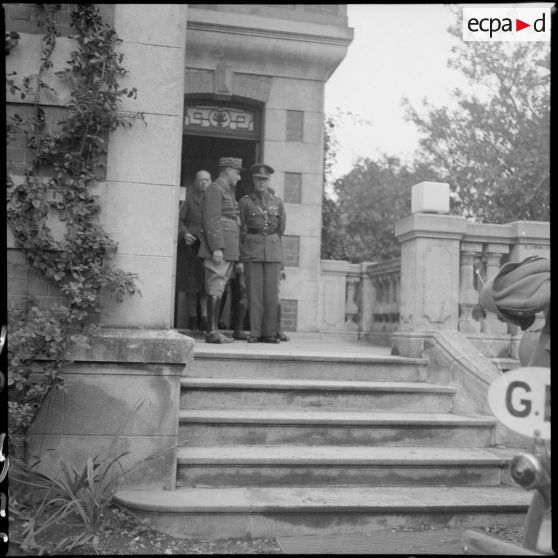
point(220, 245)
point(263, 219)
point(190, 224)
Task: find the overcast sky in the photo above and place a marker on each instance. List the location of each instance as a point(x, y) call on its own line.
point(398, 50)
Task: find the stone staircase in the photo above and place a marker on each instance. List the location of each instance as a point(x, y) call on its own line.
point(289, 442)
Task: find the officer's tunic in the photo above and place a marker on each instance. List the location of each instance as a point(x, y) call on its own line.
point(190, 221)
point(262, 225)
point(221, 231)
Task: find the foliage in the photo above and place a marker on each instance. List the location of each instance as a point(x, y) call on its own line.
point(372, 197)
point(53, 214)
point(493, 148)
point(85, 492)
point(335, 243)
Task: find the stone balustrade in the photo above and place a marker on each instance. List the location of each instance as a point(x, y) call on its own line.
point(444, 261)
point(435, 284)
point(345, 290)
point(385, 278)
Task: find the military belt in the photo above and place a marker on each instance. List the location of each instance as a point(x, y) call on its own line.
point(257, 230)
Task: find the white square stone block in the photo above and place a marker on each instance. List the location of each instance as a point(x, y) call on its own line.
point(430, 197)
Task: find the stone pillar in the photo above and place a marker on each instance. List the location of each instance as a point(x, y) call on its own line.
point(366, 298)
point(143, 170)
point(468, 295)
point(493, 262)
point(430, 268)
point(333, 289)
point(429, 289)
point(530, 238)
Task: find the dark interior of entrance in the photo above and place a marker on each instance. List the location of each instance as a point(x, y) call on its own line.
point(203, 153)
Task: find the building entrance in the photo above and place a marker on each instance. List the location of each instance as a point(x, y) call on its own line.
point(201, 152)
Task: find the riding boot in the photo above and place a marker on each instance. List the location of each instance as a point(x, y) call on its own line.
point(221, 309)
point(280, 335)
point(239, 329)
point(214, 335)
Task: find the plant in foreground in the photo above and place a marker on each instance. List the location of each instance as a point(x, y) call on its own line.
point(85, 493)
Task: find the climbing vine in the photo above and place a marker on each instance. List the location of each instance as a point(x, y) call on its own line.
point(52, 212)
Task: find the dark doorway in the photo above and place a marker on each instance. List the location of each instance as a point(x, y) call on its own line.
point(203, 153)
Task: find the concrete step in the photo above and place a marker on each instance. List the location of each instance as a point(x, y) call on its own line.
point(218, 393)
point(340, 465)
point(212, 513)
point(286, 427)
point(269, 363)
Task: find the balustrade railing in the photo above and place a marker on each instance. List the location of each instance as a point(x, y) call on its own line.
point(385, 278)
point(365, 299)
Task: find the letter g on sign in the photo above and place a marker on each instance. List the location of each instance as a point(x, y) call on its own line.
point(520, 399)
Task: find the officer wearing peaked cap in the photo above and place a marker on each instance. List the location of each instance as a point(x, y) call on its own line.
point(262, 219)
point(220, 242)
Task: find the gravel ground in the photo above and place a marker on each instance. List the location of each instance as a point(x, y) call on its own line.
point(120, 534)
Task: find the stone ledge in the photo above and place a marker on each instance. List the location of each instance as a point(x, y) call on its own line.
point(137, 345)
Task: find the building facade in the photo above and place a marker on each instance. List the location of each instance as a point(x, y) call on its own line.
point(213, 80)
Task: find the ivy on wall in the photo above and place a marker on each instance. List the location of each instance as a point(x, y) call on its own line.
point(53, 214)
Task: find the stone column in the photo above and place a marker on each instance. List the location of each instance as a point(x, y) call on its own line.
point(468, 296)
point(143, 169)
point(430, 267)
point(333, 293)
point(367, 299)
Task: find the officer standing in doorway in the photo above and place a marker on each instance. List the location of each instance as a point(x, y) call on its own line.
point(220, 243)
point(262, 219)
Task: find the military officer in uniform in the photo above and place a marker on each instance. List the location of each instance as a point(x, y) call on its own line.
point(220, 243)
point(262, 220)
point(190, 224)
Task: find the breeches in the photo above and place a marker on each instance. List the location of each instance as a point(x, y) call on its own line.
point(216, 276)
point(262, 282)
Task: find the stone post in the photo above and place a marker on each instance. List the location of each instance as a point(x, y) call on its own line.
point(493, 261)
point(430, 268)
point(468, 295)
point(366, 299)
point(530, 238)
point(143, 168)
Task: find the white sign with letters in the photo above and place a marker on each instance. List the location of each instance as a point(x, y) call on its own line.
point(520, 399)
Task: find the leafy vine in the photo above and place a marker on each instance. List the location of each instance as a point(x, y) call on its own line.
point(53, 214)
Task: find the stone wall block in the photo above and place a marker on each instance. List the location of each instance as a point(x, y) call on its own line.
point(313, 127)
point(293, 156)
point(309, 94)
point(275, 122)
point(75, 450)
point(130, 161)
point(310, 252)
point(156, 90)
point(50, 418)
point(152, 308)
point(131, 221)
point(100, 405)
point(303, 220)
point(155, 24)
point(24, 59)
